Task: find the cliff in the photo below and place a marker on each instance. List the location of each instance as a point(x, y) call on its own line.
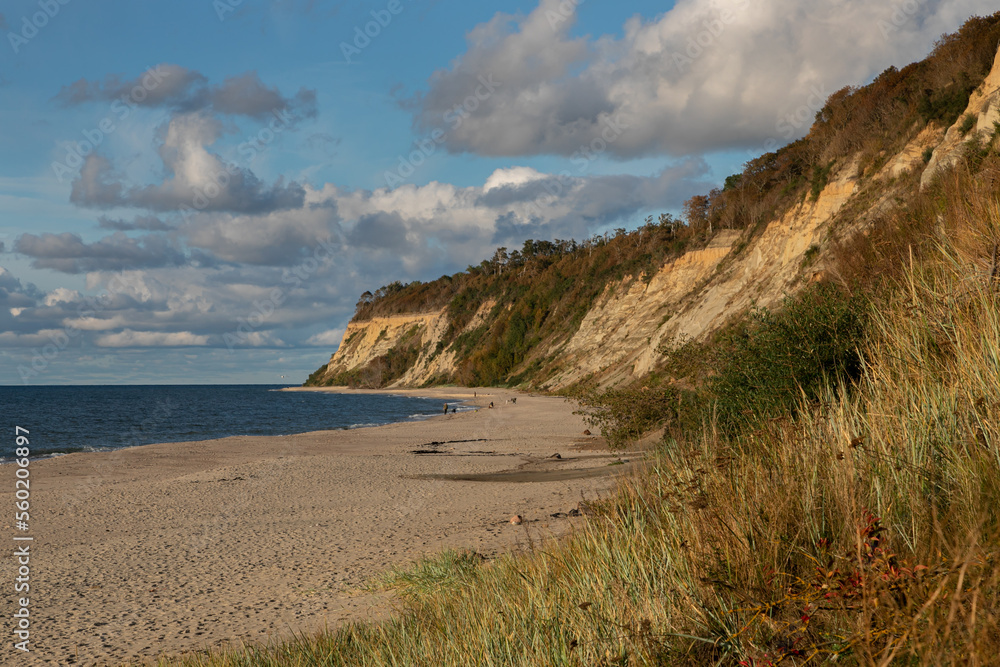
point(601, 312)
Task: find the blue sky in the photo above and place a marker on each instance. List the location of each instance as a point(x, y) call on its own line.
point(261, 163)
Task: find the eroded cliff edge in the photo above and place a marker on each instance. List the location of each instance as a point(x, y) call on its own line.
point(741, 249)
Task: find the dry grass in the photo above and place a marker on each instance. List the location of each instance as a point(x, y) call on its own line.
point(862, 532)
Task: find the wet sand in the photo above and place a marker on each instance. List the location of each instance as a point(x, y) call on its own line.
point(183, 546)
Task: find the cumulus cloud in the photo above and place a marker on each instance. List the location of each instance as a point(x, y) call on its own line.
point(96, 323)
point(252, 339)
point(149, 223)
point(130, 338)
point(39, 338)
point(282, 238)
point(67, 252)
point(380, 231)
point(14, 294)
point(199, 180)
point(279, 277)
point(184, 90)
point(247, 95)
point(61, 295)
point(705, 75)
point(511, 205)
point(329, 338)
point(437, 223)
point(96, 185)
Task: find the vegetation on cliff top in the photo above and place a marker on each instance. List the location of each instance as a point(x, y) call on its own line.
point(542, 291)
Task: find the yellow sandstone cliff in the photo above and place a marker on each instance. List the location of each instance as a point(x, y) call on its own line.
point(695, 294)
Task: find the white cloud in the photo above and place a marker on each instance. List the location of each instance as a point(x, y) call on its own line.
point(515, 176)
point(130, 338)
point(96, 323)
point(259, 339)
point(705, 75)
point(330, 338)
point(199, 179)
point(40, 338)
point(282, 260)
point(61, 295)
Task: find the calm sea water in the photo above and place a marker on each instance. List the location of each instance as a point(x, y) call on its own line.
point(89, 418)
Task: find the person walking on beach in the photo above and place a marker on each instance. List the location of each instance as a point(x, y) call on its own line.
point(446, 408)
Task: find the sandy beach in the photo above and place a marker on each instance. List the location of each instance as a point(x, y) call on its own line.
point(184, 546)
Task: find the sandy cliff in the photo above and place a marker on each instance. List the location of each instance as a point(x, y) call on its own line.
point(693, 295)
point(619, 337)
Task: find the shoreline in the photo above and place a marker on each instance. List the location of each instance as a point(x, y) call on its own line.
point(451, 392)
point(48, 454)
point(176, 547)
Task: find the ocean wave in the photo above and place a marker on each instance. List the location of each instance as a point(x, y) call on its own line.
point(57, 451)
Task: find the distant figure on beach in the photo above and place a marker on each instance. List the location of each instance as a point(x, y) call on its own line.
point(491, 404)
point(513, 401)
point(446, 408)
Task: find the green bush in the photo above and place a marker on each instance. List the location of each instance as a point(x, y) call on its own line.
point(625, 415)
point(821, 176)
point(947, 104)
point(766, 365)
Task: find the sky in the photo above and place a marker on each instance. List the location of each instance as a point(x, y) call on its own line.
point(198, 191)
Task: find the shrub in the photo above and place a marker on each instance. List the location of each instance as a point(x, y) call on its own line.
point(624, 416)
point(769, 363)
point(821, 176)
point(947, 104)
point(968, 122)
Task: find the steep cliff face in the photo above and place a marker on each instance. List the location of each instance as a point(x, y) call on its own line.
point(977, 124)
point(619, 337)
point(366, 342)
point(694, 295)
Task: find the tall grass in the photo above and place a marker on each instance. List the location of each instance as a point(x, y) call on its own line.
point(861, 531)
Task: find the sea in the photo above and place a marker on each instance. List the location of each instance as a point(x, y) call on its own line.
point(65, 419)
